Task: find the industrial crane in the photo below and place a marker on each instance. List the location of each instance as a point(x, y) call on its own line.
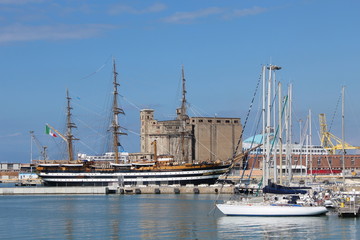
point(42, 149)
point(327, 138)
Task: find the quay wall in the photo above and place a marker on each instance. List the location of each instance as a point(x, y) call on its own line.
point(36, 190)
point(173, 189)
point(51, 190)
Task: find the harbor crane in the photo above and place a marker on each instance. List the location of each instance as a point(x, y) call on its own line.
point(42, 148)
point(329, 141)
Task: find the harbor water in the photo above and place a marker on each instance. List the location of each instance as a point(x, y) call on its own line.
point(153, 216)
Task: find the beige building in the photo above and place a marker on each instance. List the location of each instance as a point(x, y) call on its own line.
point(190, 139)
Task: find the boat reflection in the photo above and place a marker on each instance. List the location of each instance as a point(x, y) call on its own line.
point(270, 227)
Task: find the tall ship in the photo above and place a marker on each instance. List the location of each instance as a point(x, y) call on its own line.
point(116, 168)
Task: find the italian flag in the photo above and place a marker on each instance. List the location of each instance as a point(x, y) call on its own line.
point(49, 132)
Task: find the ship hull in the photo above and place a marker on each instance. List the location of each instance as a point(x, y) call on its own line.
point(206, 175)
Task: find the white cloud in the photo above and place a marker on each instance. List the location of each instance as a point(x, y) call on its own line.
point(20, 2)
point(187, 17)
point(11, 135)
point(118, 9)
point(244, 12)
point(19, 32)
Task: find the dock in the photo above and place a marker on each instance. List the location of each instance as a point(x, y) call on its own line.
point(140, 189)
point(35, 190)
point(172, 189)
point(350, 207)
point(349, 211)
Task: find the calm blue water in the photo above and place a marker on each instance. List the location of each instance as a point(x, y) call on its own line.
point(152, 217)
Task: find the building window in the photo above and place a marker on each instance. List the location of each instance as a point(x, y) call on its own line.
point(236, 121)
point(200, 120)
point(319, 161)
point(210, 121)
point(353, 161)
point(218, 121)
point(227, 121)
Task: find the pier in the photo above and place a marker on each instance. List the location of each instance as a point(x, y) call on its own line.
point(172, 189)
point(350, 207)
point(140, 189)
point(349, 211)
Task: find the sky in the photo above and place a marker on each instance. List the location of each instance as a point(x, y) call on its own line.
point(48, 46)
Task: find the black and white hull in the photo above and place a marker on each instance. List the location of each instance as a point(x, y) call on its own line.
point(207, 175)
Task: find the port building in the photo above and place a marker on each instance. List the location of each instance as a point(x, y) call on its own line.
point(190, 139)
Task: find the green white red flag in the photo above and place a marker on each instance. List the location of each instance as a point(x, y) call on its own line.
point(49, 132)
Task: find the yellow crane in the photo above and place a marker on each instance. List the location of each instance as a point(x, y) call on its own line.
point(327, 138)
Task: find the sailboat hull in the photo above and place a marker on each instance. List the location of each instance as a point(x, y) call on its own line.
point(284, 210)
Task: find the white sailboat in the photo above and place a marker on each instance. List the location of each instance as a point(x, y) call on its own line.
point(271, 205)
point(271, 210)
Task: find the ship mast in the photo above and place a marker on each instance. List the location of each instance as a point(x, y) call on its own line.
point(115, 127)
point(183, 101)
point(69, 125)
point(183, 117)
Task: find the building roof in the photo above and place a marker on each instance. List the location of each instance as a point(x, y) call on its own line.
point(257, 139)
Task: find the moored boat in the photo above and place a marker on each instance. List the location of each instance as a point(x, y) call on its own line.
point(196, 174)
point(283, 207)
point(114, 167)
point(286, 210)
point(269, 204)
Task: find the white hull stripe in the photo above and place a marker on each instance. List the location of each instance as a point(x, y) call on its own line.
point(129, 179)
point(134, 174)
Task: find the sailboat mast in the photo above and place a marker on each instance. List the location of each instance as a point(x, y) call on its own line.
point(268, 127)
point(115, 127)
point(280, 130)
point(290, 135)
point(69, 126)
point(343, 132)
point(264, 182)
point(310, 143)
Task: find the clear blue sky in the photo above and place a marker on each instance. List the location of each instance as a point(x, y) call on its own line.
point(47, 46)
